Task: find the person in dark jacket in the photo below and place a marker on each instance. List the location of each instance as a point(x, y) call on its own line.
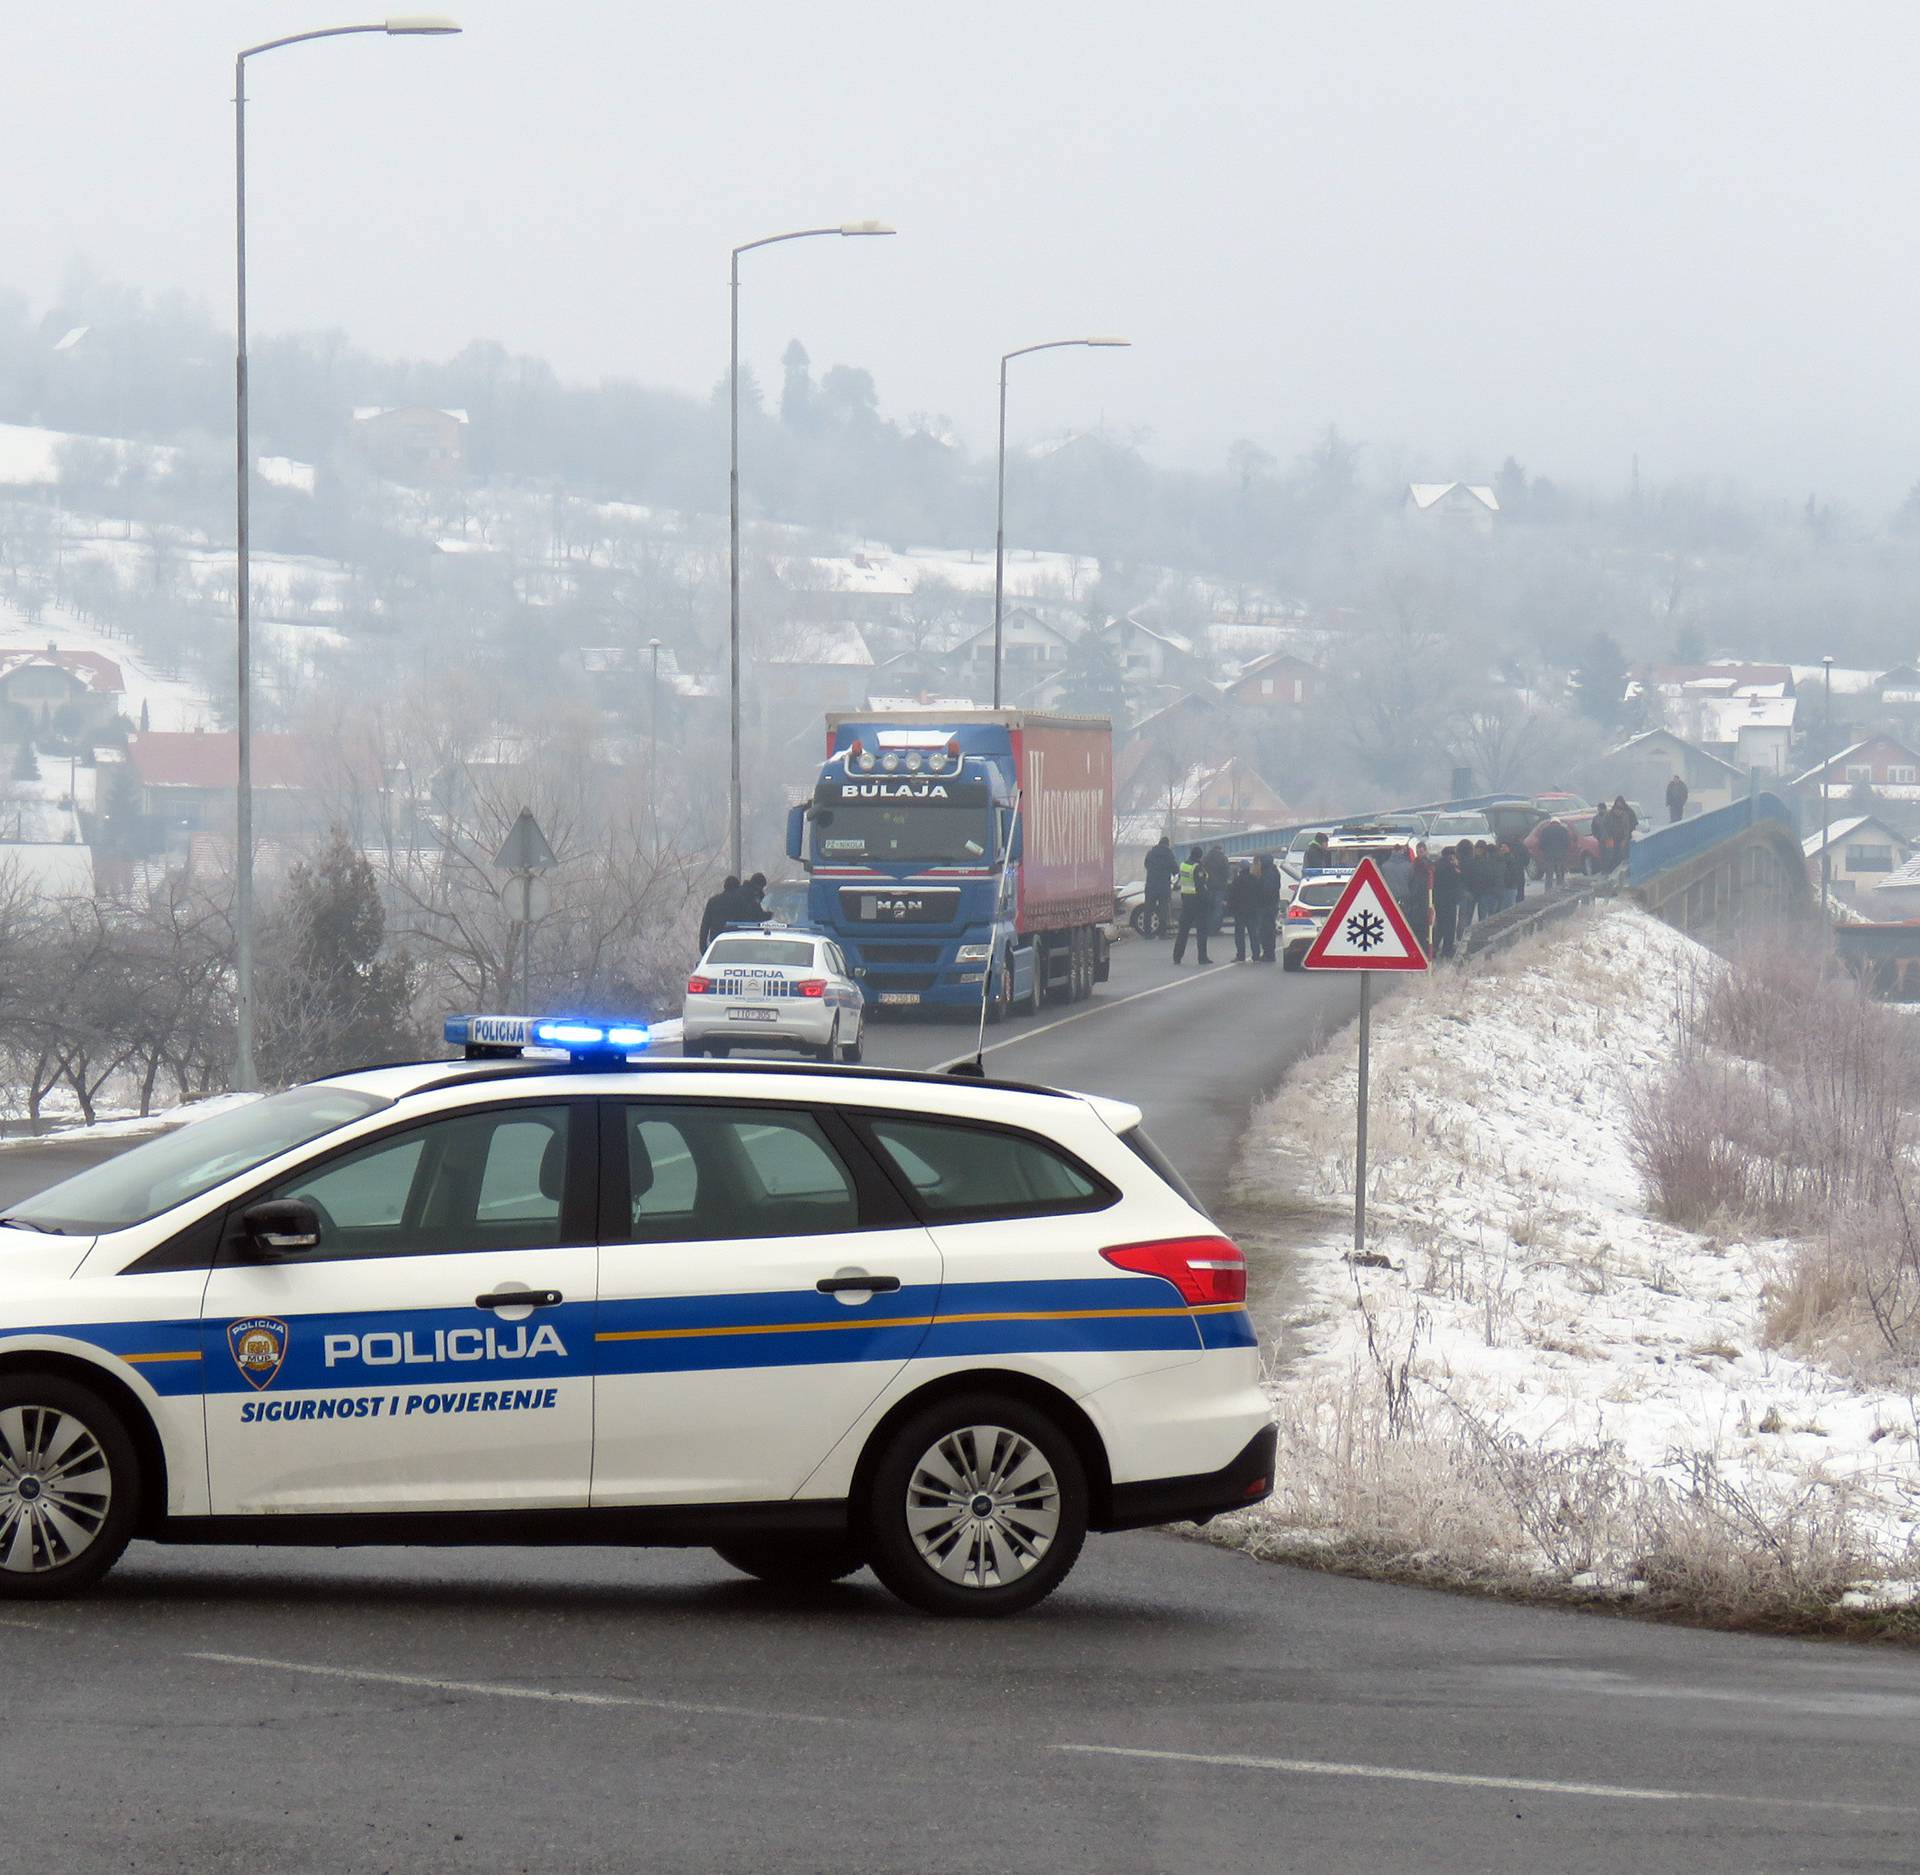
point(1625, 823)
point(1516, 853)
point(753, 899)
point(1266, 909)
point(1555, 843)
point(1677, 792)
point(1417, 902)
point(1448, 888)
point(713, 915)
point(1486, 873)
point(1463, 864)
point(1162, 863)
point(1240, 906)
point(1196, 906)
point(1318, 856)
point(1219, 877)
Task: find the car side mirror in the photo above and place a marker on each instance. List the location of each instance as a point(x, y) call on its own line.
point(859, 970)
point(280, 1227)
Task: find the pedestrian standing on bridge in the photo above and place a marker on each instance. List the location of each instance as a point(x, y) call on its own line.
point(1488, 877)
point(1677, 792)
point(1516, 853)
point(1196, 906)
point(1625, 823)
point(1319, 854)
point(1463, 864)
point(1266, 909)
point(1448, 887)
point(1418, 902)
point(1162, 864)
point(1219, 877)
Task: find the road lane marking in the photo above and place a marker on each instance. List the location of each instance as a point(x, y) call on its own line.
point(492, 1689)
point(1099, 1009)
point(1534, 1786)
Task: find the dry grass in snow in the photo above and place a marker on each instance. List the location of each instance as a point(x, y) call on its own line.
point(1530, 1379)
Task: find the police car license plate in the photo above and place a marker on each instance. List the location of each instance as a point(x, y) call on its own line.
point(753, 1015)
point(899, 996)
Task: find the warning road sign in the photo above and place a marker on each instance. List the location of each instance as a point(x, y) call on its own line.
point(1365, 930)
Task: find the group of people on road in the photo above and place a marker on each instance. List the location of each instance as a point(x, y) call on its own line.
point(735, 903)
point(1202, 890)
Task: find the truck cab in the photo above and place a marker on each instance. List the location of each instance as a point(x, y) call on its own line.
point(916, 839)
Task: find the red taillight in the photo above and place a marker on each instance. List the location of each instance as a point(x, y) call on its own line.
point(1203, 1269)
point(1298, 911)
point(812, 986)
point(699, 986)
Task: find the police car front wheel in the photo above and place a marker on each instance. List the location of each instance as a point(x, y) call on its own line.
point(69, 1487)
point(978, 1506)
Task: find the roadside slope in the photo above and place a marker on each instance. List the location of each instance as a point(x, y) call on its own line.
point(1529, 1380)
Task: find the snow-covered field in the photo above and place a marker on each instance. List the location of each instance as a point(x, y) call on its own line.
point(1529, 1380)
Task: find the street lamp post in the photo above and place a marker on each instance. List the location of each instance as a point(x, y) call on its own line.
point(409, 26)
point(1000, 502)
point(653, 747)
point(1826, 770)
point(733, 503)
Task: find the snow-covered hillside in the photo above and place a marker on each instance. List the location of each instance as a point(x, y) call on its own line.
point(1528, 1377)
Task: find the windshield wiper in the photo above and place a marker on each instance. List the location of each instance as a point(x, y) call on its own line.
point(27, 1223)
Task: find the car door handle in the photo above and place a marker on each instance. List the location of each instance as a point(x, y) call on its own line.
point(520, 1299)
point(836, 1285)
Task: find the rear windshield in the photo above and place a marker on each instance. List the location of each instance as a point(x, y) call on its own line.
point(182, 1164)
point(787, 951)
point(1319, 894)
point(1136, 1137)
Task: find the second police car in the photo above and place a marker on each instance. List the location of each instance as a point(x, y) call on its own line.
point(774, 987)
point(817, 1319)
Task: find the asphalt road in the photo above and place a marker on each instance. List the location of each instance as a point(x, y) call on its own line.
point(1174, 1707)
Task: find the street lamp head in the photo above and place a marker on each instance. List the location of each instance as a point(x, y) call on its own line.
point(420, 25)
point(1107, 341)
point(867, 227)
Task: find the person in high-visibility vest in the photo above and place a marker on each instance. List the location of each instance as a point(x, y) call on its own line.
point(1196, 906)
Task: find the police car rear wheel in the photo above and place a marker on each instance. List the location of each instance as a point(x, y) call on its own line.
point(69, 1487)
point(856, 1049)
point(795, 1562)
point(978, 1506)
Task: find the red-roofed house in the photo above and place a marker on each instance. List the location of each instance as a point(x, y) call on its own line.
point(44, 687)
point(301, 784)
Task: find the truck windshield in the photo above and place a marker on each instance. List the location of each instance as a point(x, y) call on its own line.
point(945, 833)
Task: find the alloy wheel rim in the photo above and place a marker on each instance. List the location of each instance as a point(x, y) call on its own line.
point(983, 1507)
point(56, 1488)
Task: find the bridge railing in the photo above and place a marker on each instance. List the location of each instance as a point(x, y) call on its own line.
point(1665, 847)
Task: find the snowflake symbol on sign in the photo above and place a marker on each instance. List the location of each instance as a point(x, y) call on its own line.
point(1365, 929)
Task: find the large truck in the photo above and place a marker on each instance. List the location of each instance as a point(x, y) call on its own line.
point(957, 855)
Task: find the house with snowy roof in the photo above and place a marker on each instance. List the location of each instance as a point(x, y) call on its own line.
point(1469, 504)
point(1856, 852)
point(1155, 654)
point(188, 782)
point(1642, 767)
point(43, 688)
point(1882, 763)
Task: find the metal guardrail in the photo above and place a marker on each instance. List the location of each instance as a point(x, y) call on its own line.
point(1258, 840)
point(1665, 847)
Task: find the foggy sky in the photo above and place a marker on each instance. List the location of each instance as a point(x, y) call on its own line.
point(1566, 232)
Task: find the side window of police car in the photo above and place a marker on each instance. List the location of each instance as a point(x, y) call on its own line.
point(492, 1180)
point(700, 1173)
point(962, 1173)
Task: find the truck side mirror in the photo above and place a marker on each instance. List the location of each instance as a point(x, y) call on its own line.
point(797, 832)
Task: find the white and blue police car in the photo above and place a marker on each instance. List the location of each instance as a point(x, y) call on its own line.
point(774, 987)
point(554, 1292)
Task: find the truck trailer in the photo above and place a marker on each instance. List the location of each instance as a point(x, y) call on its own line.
point(962, 854)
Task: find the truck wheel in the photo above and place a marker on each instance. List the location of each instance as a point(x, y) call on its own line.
point(1031, 1006)
point(69, 1487)
point(1001, 999)
point(977, 1506)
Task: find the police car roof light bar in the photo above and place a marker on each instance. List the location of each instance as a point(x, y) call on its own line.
point(484, 1038)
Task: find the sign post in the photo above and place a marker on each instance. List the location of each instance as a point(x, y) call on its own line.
point(1365, 931)
point(525, 855)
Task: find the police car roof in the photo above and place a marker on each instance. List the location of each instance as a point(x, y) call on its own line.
point(769, 1079)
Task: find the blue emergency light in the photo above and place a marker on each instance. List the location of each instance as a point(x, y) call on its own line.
point(484, 1036)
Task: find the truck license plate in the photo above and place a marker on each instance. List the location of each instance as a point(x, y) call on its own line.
point(752, 1015)
point(899, 996)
